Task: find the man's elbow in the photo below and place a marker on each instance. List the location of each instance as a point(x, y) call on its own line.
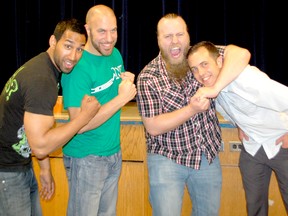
point(39, 150)
point(153, 132)
point(152, 126)
point(39, 153)
point(246, 55)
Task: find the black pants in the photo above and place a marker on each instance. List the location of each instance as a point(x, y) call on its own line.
point(256, 174)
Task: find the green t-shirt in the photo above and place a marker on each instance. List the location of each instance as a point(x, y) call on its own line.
point(98, 76)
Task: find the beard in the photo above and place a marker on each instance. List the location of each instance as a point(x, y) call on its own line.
point(96, 44)
point(176, 69)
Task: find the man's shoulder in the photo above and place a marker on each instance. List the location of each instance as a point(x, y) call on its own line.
point(38, 59)
point(116, 52)
point(151, 69)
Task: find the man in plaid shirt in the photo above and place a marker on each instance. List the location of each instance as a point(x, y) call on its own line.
point(182, 132)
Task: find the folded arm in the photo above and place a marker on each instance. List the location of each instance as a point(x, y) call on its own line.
point(126, 92)
point(44, 137)
point(166, 122)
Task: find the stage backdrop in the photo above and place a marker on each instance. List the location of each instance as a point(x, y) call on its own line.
point(258, 25)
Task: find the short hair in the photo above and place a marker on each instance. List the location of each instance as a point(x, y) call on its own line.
point(212, 49)
point(72, 24)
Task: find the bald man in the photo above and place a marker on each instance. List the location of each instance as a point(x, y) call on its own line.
point(93, 158)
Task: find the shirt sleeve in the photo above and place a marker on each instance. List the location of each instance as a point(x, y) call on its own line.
point(40, 94)
point(256, 87)
point(74, 86)
point(147, 98)
point(221, 49)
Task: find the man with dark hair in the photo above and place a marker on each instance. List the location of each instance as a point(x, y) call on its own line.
point(26, 121)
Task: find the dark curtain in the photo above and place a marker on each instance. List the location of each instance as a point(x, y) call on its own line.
point(257, 25)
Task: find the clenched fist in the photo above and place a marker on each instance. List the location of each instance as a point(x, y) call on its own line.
point(127, 90)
